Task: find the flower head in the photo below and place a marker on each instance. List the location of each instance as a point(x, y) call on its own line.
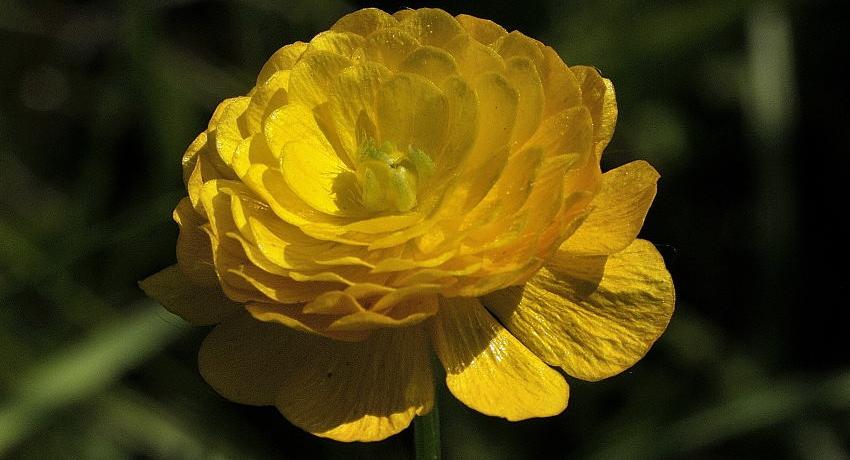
point(410, 182)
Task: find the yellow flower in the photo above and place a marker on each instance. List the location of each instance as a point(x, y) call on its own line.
point(407, 183)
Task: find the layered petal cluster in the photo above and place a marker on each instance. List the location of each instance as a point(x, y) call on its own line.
point(406, 183)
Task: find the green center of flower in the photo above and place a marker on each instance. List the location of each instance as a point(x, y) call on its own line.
point(389, 178)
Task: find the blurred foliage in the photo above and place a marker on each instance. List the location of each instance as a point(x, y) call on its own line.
point(741, 105)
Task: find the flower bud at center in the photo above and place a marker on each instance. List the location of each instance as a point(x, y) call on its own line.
point(389, 178)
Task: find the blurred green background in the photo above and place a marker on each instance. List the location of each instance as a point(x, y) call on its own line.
point(742, 106)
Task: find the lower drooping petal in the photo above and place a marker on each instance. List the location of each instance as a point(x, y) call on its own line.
point(200, 305)
point(347, 391)
point(593, 316)
point(488, 369)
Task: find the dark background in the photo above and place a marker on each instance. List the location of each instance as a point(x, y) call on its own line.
point(742, 106)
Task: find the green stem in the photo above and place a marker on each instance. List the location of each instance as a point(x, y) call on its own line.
point(426, 434)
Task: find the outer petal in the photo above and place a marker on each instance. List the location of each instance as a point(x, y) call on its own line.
point(363, 391)
point(200, 305)
point(194, 253)
point(591, 316)
point(597, 94)
point(619, 210)
point(488, 369)
point(247, 361)
point(348, 391)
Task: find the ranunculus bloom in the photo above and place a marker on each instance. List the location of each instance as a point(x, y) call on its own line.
point(407, 183)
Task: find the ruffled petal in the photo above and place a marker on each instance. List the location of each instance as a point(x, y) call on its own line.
point(292, 316)
point(488, 369)
point(200, 305)
point(593, 316)
point(618, 211)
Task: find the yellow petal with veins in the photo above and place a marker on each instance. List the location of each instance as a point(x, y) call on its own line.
point(488, 369)
point(591, 315)
point(361, 391)
point(617, 211)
